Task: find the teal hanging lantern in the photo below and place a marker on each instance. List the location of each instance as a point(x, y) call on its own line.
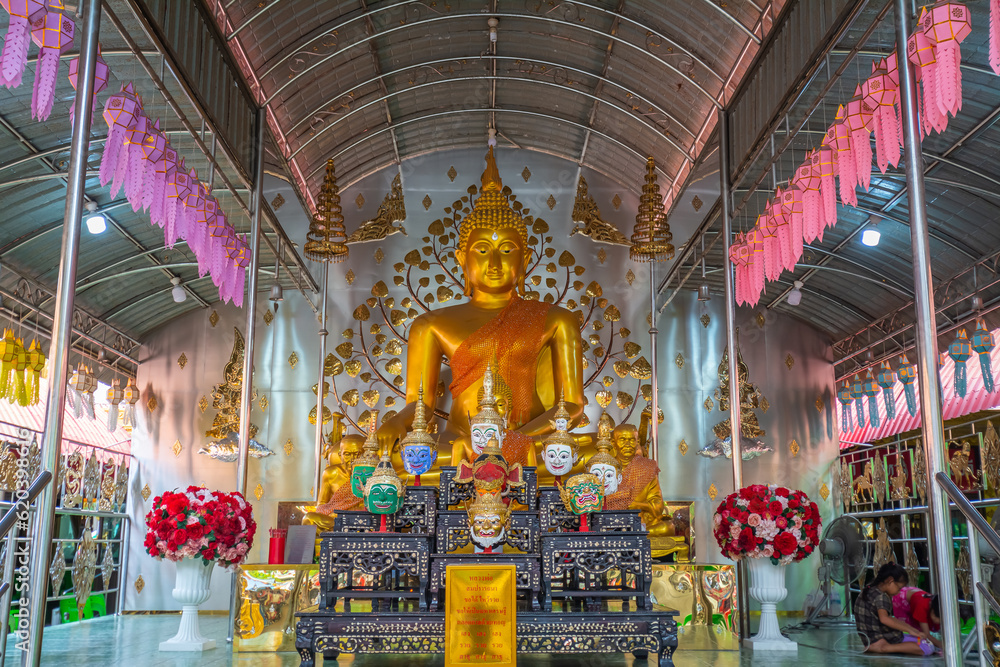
point(959, 351)
point(886, 379)
point(871, 391)
point(844, 396)
point(982, 344)
point(858, 393)
point(907, 375)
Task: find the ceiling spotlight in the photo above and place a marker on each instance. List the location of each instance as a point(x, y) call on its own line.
point(871, 235)
point(492, 137)
point(795, 296)
point(493, 23)
point(703, 294)
point(96, 224)
point(178, 292)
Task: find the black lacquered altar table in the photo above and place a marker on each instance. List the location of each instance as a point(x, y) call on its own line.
point(528, 576)
point(582, 562)
point(398, 565)
point(330, 633)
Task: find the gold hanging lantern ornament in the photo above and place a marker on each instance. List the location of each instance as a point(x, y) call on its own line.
point(130, 396)
point(33, 373)
point(651, 234)
point(327, 238)
point(115, 397)
point(8, 358)
point(18, 391)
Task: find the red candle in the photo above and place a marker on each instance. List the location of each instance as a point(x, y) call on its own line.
point(382, 525)
point(276, 548)
point(417, 481)
point(584, 526)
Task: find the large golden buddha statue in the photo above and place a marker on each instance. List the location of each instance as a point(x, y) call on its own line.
point(535, 347)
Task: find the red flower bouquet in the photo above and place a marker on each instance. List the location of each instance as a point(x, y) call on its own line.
point(773, 522)
point(213, 525)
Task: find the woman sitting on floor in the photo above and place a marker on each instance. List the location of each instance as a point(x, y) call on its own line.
point(875, 622)
point(920, 609)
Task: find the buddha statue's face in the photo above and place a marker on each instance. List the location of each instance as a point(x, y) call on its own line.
point(382, 499)
point(626, 442)
point(559, 458)
point(349, 453)
point(493, 261)
point(584, 495)
point(418, 459)
point(608, 475)
point(359, 477)
point(481, 434)
point(487, 529)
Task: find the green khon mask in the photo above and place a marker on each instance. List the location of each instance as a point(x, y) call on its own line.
point(383, 491)
point(359, 477)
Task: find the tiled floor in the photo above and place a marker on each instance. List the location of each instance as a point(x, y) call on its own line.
point(131, 641)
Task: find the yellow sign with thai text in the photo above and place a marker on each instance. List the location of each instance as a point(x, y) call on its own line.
point(480, 616)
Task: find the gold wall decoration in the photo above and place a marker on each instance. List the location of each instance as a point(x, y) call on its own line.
point(293, 359)
point(326, 240)
point(226, 395)
point(878, 480)
point(679, 360)
point(151, 403)
point(845, 484)
point(107, 494)
point(139, 585)
point(349, 276)
point(84, 567)
point(963, 568)
point(820, 404)
point(898, 489)
point(616, 201)
point(427, 202)
point(359, 201)
point(751, 398)
point(107, 567)
point(452, 173)
point(182, 360)
point(121, 485)
point(911, 563)
point(92, 478)
point(793, 447)
point(960, 465)
point(177, 448)
point(864, 488)
point(587, 215)
point(263, 403)
point(920, 472)
point(203, 404)
point(391, 211)
point(277, 202)
point(990, 455)
point(288, 447)
point(712, 491)
point(8, 469)
point(760, 320)
point(57, 570)
point(683, 447)
point(705, 320)
point(824, 491)
point(258, 491)
point(709, 404)
point(789, 361)
point(602, 255)
point(551, 202)
point(525, 174)
point(883, 547)
point(213, 319)
point(268, 317)
point(697, 203)
point(146, 492)
point(379, 255)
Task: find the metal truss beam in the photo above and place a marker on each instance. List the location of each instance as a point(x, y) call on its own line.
point(537, 114)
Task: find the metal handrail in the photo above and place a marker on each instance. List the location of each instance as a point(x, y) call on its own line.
point(10, 516)
point(967, 510)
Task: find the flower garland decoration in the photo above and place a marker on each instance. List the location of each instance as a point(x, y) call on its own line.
point(760, 521)
point(213, 525)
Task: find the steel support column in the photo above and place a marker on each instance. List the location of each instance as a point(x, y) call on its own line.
point(62, 329)
point(926, 346)
point(250, 306)
point(322, 376)
point(654, 409)
point(725, 197)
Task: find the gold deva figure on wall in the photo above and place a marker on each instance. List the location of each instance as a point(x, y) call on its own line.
point(536, 346)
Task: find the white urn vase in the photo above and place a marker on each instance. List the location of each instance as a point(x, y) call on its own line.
point(191, 589)
point(767, 586)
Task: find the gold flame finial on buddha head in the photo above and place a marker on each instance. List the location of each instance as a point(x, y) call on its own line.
point(492, 209)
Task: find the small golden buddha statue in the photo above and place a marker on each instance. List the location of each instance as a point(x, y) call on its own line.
point(536, 347)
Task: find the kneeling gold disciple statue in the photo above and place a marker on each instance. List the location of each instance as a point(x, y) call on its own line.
point(536, 347)
point(640, 484)
point(341, 486)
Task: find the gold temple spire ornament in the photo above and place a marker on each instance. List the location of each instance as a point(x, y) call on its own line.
point(651, 234)
point(327, 238)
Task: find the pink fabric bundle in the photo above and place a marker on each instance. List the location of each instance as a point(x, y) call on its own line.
point(838, 138)
point(825, 160)
point(807, 181)
point(920, 51)
point(995, 36)
point(880, 94)
point(945, 26)
point(15, 45)
point(120, 111)
point(793, 207)
point(53, 33)
point(152, 152)
point(858, 119)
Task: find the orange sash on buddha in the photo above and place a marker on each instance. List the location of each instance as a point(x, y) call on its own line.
point(513, 339)
point(637, 474)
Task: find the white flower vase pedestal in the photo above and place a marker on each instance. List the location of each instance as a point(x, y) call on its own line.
point(767, 586)
point(191, 589)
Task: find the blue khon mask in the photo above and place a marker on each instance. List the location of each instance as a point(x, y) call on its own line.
point(418, 459)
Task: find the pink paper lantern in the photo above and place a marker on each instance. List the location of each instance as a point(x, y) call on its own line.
point(101, 74)
point(120, 111)
point(838, 138)
point(920, 51)
point(768, 227)
point(793, 208)
point(53, 33)
point(152, 153)
point(995, 36)
point(945, 26)
point(825, 161)
point(858, 119)
point(755, 264)
point(880, 94)
point(131, 165)
point(808, 182)
point(15, 46)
